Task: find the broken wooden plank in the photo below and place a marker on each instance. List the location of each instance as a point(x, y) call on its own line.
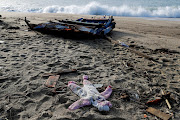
point(167, 102)
point(81, 23)
point(158, 113)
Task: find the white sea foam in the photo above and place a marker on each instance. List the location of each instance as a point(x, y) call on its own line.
point(95, 8)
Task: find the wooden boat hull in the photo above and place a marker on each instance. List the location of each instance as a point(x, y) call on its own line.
point(95, 27)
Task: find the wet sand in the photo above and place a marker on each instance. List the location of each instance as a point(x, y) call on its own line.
point(26, 55)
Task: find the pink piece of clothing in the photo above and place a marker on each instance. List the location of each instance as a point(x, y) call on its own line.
point(85, 77)
point(79, 103)
point(89, 95)
point(107, 92)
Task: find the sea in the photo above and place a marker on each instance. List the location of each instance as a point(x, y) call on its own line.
point(126, 8)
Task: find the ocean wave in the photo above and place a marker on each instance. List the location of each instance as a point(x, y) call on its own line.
point(95, 8)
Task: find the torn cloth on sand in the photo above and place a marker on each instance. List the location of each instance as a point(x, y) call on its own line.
point(90, 95)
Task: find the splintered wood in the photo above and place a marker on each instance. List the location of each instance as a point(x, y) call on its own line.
point(167, 102)
point(158, 113)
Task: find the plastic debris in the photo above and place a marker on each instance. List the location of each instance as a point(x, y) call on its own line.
point(90, 96)
point(123, 44)
point(154, 102)
point(145, 116)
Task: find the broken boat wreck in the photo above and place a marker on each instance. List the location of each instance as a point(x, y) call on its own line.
point(95, 27)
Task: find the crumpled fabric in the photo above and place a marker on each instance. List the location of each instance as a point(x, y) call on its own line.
point(89, 95)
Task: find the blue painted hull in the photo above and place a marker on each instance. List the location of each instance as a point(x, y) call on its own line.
point(96, 27)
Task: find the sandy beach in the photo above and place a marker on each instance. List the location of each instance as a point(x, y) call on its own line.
point(25, 55)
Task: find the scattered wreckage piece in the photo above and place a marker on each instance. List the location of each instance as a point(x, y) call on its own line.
point(154, 102)
point(158, 113)
point(132, 50)
point(164, 96)
point(167, 102)
point(164, 116)
point(51, 82)
point(95, 27)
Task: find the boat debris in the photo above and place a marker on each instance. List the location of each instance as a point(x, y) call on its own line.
point(53, 78)
point(96, 27)
point(158, 113)
point(51, 82)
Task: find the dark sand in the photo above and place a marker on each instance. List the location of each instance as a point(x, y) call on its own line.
point(26, 55)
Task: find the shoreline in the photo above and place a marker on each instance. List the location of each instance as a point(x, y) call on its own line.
point(162, 19)
point(26, 55)
point(146, 18)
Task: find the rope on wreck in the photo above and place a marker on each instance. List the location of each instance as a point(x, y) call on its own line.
point(132, 50)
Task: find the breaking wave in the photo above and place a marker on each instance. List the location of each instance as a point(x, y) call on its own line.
point(95, 8)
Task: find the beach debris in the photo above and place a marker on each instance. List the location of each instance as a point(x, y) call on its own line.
point(1, 41)
point(132, 50)
point(129, 95)
point(164, 96)
point(167, 102)
point(133, 96)
point(89, 95)
point(51, 81)
point(125, 96)
point(123, 44)
point(158, 113)
point(145, 116)
point(154, 102)
point(95, 27)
